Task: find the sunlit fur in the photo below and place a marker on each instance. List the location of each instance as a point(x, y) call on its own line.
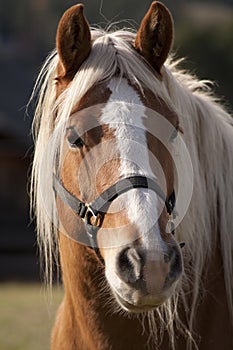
point(208, 135)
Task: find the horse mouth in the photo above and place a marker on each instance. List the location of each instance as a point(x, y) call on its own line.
point(135, 308)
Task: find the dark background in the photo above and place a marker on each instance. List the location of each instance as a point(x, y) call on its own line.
point(204, 35)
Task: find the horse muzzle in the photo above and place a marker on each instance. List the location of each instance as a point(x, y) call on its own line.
point(144, 279)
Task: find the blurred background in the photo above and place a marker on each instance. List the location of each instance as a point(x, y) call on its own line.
point(204, 36)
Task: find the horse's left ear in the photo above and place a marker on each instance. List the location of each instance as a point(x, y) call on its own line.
point(73, 41)
point(155, 35)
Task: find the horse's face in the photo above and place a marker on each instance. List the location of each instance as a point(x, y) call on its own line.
point(112, 133)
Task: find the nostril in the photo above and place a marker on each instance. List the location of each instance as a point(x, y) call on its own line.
point(176, 264)
point(130, 264)
point(168, 255)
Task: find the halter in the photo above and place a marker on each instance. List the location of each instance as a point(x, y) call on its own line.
point(92, 214)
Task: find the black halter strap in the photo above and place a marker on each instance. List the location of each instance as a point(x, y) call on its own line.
point(93, 213)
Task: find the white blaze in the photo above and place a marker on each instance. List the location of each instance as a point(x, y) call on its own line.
point(124, 113)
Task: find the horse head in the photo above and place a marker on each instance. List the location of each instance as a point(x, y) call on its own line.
point(115, 186)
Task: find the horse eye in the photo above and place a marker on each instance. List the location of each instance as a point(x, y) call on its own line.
point(78, 143)
point(74, 140)
point(174, 134)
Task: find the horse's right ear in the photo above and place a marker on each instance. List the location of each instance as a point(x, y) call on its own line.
point(73, 42)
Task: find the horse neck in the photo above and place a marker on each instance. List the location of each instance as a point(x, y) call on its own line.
point(85, 319)
point(78, 313)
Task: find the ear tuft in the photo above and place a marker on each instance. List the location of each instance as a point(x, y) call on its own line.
point(73, 41)
point(155, 36)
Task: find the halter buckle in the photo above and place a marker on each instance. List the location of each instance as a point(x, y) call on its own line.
point(91, 218)
point(170, 225)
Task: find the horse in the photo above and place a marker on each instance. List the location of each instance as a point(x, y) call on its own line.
point(133, 159)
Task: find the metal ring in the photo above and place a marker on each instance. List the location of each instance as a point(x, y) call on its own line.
point(90, 214)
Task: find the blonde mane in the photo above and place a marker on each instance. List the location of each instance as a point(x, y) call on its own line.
point(208, 134)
